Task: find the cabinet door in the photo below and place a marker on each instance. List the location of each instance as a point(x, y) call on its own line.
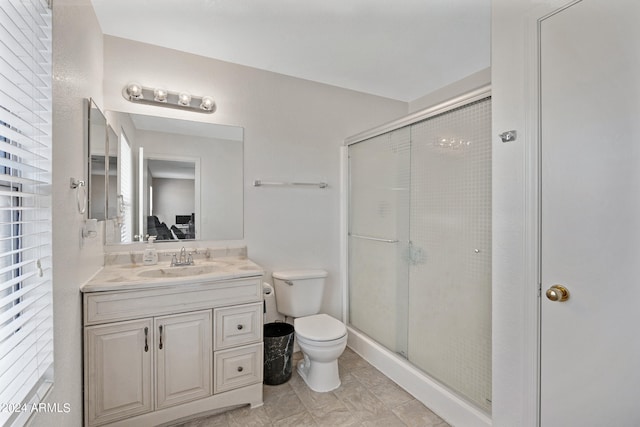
point(183, 349)
point(118, 370)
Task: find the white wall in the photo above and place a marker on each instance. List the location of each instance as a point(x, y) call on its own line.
point(77, 74)
point(293, 131)
point(173, 197)
point(510, 406)
point(471, 82)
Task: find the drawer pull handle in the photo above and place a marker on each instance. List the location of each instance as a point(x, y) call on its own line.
point(146, 340)
point(160, 337)
point(240, 369)
point(240, 327)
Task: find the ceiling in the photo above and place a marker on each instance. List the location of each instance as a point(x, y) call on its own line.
point(401, 49)
point(171, 169)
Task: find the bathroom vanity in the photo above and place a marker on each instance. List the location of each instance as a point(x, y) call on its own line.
point(166, 343)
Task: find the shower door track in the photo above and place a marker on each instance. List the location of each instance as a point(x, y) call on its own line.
point(443, 107)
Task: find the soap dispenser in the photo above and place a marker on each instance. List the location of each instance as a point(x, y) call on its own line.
point(150, 256)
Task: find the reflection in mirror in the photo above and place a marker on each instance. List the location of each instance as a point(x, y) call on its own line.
point(97, 148)
point(124, 230)
point(171, 191)
point(183, 174)
point(111, 172)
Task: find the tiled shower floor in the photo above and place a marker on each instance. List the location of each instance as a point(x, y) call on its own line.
point(365, 398)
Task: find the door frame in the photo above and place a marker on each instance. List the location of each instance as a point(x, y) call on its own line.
point(531, 212)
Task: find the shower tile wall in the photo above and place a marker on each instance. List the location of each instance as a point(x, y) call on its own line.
point(450, 284)
point(428, 295)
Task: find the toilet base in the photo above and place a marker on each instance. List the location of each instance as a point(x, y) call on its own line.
point(319, 376)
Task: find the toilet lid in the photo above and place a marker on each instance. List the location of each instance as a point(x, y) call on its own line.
point(319, 327)
point(299, 274)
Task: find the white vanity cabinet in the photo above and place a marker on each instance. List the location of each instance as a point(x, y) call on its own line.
point(165, 353)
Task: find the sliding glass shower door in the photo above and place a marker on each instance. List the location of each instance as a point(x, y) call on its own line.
point(449, 330)
point(420, 245)
point(378, 237)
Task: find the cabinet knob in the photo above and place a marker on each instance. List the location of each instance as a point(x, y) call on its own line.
point(240, 327)
point(240, 368)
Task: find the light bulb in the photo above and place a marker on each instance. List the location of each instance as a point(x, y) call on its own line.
point(184, 99)
point(207, 103)
point(134, 90)
point(160, 94)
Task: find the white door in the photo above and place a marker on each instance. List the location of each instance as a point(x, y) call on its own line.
point(118, 370)
point(590, 214)
point(184, 354)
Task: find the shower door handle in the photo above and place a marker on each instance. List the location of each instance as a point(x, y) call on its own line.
point(375, 239)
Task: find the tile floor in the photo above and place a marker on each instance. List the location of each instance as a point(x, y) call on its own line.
point(365, 398)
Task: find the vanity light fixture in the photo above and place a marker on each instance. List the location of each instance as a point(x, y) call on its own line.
point(137, 93)
point(451, 143)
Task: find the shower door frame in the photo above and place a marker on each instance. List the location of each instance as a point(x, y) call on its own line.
point(454, 409)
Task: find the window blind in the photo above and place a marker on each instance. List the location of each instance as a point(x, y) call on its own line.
point(26, 323)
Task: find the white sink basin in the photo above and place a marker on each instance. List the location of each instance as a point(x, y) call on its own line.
point(189, 270)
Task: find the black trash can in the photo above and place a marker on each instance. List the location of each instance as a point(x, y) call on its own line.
point(278, 351)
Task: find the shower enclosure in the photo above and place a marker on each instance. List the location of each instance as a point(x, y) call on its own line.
point(419, 243)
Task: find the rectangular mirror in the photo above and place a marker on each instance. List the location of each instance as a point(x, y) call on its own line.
point(177, 179)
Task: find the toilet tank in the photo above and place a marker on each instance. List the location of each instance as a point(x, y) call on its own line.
point(299, 292)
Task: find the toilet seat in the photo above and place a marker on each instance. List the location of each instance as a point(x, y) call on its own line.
point(319, 327)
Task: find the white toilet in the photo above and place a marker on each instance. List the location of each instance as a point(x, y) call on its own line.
point(321, 338)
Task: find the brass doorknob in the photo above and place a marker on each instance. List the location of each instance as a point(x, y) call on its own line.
point(558, 293)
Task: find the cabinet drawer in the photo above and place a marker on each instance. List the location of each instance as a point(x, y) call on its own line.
point(238, 325)
point(110, 306)
point(237, 367)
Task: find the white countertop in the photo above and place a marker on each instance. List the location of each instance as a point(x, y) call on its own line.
point(124, 277)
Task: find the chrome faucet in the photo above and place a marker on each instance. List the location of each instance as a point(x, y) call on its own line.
point(183, 260)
